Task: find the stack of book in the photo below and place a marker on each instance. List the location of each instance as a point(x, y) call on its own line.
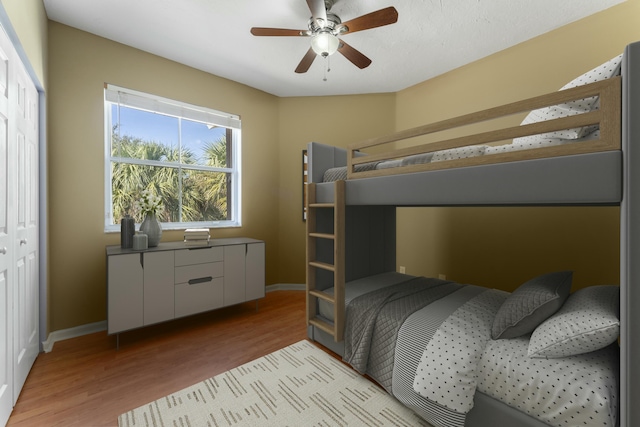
point(196, 236)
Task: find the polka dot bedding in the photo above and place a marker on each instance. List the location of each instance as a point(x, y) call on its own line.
point(588, 321)
point(578, 390)
point(459, 153)
point(460, 358)
point(446, 373)
point(602, 72)
point(532, 143)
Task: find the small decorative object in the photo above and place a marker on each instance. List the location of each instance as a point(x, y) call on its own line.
point(149, 204)
point(140, 241)
point(127, 229)
point(196, 236)
point(152, 228)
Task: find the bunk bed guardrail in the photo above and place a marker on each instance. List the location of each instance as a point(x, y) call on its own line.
point(607, 118)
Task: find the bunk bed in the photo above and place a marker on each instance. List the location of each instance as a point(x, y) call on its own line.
point(351, 221)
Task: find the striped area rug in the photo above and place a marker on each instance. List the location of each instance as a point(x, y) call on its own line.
point(299, 385)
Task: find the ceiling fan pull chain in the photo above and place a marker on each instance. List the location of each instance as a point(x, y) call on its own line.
point(326, 58)
point(327, 68)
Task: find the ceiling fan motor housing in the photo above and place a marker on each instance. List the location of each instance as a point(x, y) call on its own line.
point(332, 23)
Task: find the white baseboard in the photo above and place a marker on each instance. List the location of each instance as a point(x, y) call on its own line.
point(286, 287)
point(78, 331)
point(91, 328)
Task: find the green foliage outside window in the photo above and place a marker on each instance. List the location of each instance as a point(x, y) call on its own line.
point(188, 195)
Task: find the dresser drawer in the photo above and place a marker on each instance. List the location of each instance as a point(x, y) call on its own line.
point(199, 297)
point(198, 272)
point(198, 255)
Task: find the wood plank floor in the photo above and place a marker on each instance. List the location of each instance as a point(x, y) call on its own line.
point(86, 381)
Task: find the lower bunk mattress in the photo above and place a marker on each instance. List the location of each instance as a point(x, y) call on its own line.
point(425, 341)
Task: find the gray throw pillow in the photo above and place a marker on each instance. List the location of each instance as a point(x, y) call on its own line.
point(531, 304)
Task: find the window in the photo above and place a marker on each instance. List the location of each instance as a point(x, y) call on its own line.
point(187, 155)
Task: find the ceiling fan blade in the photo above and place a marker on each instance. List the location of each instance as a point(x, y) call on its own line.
point(353, 55)
point(375, 19)
point(259, 31)
point(318, 10)
point(306, 62)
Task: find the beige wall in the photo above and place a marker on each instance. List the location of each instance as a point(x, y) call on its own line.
point(29, 20)
point(502, 247)
point(80, 64)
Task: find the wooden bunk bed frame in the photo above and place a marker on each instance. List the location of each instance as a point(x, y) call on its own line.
point(351, 225)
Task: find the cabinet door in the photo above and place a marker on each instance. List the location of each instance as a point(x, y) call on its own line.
point(234, 274)
point(158, 286)
point(125, 292)
point(255, 261)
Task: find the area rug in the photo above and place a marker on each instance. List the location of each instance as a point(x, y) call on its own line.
point(299, 385)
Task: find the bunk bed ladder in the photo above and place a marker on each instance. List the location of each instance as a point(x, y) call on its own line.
point(337, 266)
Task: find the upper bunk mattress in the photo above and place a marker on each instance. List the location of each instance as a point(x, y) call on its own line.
point(583, 179)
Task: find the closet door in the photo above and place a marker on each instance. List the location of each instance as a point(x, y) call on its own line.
point(6, 242)
point(26, 289)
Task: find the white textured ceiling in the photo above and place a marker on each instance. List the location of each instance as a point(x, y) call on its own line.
point(431, 37)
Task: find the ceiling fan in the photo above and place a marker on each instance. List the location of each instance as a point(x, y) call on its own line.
point(324, 29)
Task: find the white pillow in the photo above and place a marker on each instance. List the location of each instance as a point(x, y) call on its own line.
point(589, 320)
point(605, 71)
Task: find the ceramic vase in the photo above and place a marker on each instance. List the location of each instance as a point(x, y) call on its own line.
point(152, 228)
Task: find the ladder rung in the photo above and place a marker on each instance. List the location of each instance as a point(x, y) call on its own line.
point(322, 295)
point(322, 235)
point(322, 265)
point(322, 205)
point(323, 324)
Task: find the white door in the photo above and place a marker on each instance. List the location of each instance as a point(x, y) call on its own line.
point(19, 287)
point(26, 289)
point(6, 240)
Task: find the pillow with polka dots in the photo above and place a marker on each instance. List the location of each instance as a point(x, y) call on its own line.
point(531, 304)
point(458, 153)
point(605, 71)
point(588, 321)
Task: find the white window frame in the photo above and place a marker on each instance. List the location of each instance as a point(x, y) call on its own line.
point(152, 103)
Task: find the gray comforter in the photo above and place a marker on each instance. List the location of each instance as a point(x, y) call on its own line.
point(377, 317)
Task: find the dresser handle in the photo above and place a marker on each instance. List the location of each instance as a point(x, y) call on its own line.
point(200, 280)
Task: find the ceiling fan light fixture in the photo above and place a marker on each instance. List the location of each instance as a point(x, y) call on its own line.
point(325, 44)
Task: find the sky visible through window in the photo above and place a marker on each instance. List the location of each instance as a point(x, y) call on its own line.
point(163, 129)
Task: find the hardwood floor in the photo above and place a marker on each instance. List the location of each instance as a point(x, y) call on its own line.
point(86, 381)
